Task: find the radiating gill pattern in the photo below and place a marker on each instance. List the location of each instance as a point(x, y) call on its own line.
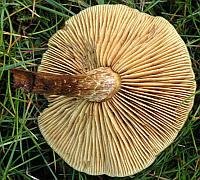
point(123, 135)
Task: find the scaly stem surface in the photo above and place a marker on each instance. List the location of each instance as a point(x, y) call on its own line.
point(96, 85)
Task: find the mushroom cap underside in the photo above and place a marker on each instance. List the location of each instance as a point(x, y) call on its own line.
point(124, 134)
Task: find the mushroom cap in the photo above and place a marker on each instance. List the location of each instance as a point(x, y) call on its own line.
point(124, 134)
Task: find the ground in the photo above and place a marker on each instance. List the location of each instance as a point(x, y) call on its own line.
point(26, 27)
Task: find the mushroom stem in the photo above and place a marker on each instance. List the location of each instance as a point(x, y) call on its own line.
point(95, 85)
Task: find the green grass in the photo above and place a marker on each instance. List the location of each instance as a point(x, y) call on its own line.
point(25, 27)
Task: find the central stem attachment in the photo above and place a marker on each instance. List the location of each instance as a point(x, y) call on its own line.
point(96, 85)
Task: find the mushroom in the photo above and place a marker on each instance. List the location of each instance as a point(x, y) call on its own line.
point(133, 88)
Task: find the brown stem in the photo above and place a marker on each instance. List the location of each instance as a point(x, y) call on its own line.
point(95, 85)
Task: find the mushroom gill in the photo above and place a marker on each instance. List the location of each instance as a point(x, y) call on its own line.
point(122, 135)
